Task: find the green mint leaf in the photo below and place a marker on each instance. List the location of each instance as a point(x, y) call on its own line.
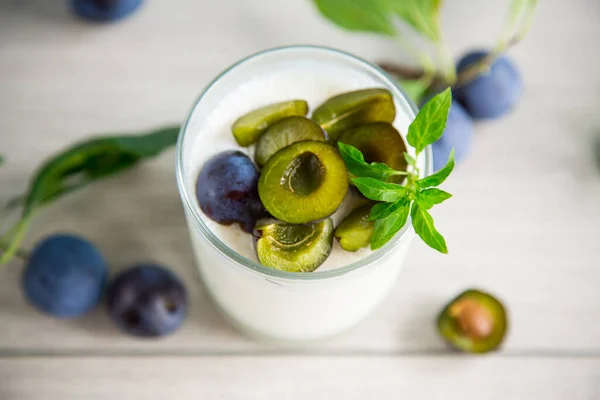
point(430, 197)
point(358, 15)
point(410, 160)
point(416, 88)
point(424, 227)
point(386, 228)
point(377, 190)
point(356, 164)
point(382, 210)
point(430, 122)
point(422, 15)
point(82, 164)
point(439, 177)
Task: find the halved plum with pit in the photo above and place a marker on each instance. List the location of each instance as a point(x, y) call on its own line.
point(303, 182)
point(294, 248)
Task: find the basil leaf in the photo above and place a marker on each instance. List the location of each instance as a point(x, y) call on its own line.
point(424, 227)
point(410, 160)
point(386, 228)
point(430, 197)
point(82, 164)
point(423, 15)
point(374, 189)
point(356, 164)
point(358, 15)
point(430, 122)
point(382, 210)
point(440, 176)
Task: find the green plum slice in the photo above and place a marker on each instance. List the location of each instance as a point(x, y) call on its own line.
point(473, 322)
point(248, 128)
point(351, 109)
point(303, 182)
point(285, 132)
point(355, 231)
point(379, 142)
point(294, 248)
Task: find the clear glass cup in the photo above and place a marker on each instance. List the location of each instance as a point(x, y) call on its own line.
point(270, 303)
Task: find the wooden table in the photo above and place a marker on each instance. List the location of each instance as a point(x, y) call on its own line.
point(524, 222)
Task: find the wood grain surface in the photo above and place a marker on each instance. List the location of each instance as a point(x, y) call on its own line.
point(524, 222)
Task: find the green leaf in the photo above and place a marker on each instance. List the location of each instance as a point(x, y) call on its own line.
point(356, 164)
point(430, 122)
point(423, 15)
point(429, 197)
point(358, 15)
point(1, 159)
point(410, 160)
point(386, 228)
point(379, 191)
point(416, 88)
point(424, 227)
point(382, 210)
point(439, 177)
point(82, 164)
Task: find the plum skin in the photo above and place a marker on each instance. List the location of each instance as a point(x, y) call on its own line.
point(65, 276)
point(147, 300)
point(492, 94)
point(227, 190)
point(458, 135)
point(104, 10)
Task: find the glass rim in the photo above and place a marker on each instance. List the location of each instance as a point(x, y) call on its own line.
point(192, 210)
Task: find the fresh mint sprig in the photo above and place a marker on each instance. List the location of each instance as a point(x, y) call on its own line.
point(417, 195)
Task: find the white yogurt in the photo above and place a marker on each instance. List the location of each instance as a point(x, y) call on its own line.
point(266, 302)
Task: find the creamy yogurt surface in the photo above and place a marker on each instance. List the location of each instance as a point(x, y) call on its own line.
point(314, 81)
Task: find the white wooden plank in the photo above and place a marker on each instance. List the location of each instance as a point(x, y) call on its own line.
point(523, 222)
point(299, 378)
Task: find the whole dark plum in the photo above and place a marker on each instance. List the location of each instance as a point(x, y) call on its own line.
point(492, 94)
point(227, 192)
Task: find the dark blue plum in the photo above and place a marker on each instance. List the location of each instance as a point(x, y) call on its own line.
point(147, 300)
point(65, 276)
point(104, 10)
point(492, 94)
point(227, 190)
point(458, 135)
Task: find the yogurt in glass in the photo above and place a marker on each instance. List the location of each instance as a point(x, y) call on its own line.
point(265, 302)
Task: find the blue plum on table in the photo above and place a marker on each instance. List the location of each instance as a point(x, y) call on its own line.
point(65, 276)
point(458, 135)
point(104, 10)
point(147, 300)
point(227, 191)
point(492, 94)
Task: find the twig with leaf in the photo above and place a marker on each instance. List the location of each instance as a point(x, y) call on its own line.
point(75, 168)
point(423, 16)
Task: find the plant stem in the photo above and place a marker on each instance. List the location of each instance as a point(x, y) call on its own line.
point(13, 247)
point(509, 39)
point(19, 252)
point(484, 64)
point(447, 63)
